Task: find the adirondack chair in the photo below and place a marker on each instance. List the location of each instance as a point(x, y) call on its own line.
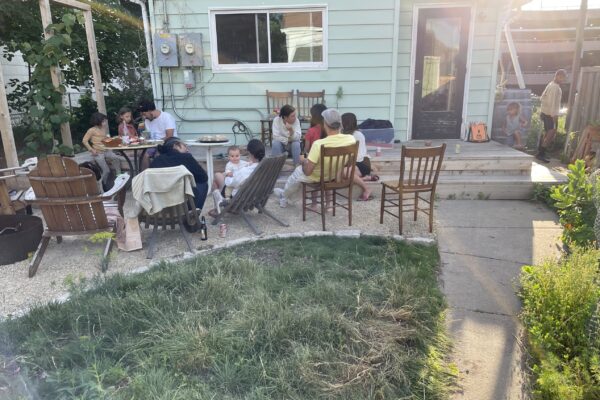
point(71, 204)
point(255, 192)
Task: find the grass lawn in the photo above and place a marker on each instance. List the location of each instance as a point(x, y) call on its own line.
point(309, 318)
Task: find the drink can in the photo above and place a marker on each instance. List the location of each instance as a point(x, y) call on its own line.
point(223, 230)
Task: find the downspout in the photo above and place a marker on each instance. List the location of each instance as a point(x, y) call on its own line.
point(147, 36)
point(394, 83)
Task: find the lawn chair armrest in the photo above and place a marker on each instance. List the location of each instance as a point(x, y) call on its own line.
point(120, 183)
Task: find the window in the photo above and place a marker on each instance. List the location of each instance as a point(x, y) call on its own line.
point(268, 39)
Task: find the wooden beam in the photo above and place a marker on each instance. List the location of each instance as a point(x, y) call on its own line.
point(576, 67)
point(91, 41)
point(74, 4)
point(65, 129)
point(8, 140)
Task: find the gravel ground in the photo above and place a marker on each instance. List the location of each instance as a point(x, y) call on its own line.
point(76, 258)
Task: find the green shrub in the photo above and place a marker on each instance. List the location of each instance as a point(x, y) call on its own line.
point(574, 201)
point(559, 307)
point(542, 193)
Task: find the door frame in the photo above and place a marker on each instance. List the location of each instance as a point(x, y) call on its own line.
point(413, 56)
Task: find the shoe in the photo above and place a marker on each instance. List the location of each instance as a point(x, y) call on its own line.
point(218, 199)
point(542, 158)
point(282, 200)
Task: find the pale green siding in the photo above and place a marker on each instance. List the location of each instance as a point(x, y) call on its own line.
point(360, 60)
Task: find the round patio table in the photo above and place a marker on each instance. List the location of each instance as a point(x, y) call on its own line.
point(138, 154)
point(209, 155)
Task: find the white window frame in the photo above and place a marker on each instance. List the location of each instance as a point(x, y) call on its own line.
point(265, 67)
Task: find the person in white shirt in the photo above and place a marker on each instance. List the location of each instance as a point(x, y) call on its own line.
point(160, 124)
point(256, 152)
point(287, 132)
point(222, 181)
point(549, 112)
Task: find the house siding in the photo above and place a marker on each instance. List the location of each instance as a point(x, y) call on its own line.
point(360, 60)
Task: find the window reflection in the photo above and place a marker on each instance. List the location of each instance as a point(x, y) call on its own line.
point(440, 48)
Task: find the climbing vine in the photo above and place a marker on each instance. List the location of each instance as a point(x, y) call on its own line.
point(46, 109)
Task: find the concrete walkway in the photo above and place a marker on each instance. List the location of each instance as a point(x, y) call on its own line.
point(483, 245)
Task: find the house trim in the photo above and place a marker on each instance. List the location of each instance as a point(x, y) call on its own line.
point(413, 51)
point(270, 67)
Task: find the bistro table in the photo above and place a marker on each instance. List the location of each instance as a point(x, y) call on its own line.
point(209, 155)
point(138, 154)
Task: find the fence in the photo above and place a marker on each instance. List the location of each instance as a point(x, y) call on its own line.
point(586, 108)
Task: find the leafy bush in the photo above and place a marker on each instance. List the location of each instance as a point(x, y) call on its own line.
point(560, 301)
point(574, 201)
point(542, 193)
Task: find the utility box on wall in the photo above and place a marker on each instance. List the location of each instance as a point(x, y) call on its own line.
point(190, 49)
point(165, 47)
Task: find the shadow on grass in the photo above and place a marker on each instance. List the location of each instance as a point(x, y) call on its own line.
point(301, 318)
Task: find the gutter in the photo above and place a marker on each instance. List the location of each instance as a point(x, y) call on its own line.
point(147, 36)
point(394, 83)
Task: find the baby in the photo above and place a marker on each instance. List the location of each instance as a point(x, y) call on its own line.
point(221, 185)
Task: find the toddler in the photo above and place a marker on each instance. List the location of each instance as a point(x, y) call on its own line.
point(513, 125)
point(125, 121)
point(101, 155)
point(222, 183)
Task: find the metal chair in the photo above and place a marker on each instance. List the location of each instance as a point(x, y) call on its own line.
point(337, 173)
point(419, 172)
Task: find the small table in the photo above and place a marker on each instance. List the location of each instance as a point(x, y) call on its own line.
point(209, 156)
point(136, 166)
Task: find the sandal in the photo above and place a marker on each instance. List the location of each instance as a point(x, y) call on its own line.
point(371, 197)
point(372, 178)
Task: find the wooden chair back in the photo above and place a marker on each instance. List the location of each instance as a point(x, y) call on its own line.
point(68, 196)
point(337, 166)
point(420, 168)
point(255, 191)
point(306, 100)
point(278, 100)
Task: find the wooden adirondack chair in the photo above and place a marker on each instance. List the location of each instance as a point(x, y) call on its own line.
point(71, 204)
point(255, 192)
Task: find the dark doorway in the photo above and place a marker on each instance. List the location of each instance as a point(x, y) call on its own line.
point(440, 69)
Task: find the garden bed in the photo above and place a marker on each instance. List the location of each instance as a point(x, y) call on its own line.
point(315, 318)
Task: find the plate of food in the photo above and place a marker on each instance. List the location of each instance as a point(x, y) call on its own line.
point(213, 139)
point(112, 142)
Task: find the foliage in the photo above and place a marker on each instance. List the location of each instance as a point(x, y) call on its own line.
point(559, 301)
point(117, 27)
point(574, 201)
point(46, 110)
point(275, 319)
point(542, 193)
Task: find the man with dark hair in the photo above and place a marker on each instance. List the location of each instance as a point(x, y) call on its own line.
point(309, 169)
point(160, 124)
point(549, 112)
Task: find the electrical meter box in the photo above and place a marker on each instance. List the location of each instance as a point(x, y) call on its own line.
point(165, 48)
point(190, 50)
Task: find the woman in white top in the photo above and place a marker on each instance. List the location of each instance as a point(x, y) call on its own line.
point(286, 131)
point(350, 127)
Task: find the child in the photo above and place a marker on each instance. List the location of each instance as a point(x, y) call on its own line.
point(125, 121)
point(513, 125)
point(363, 163)
point(96, 134)
point(222, 183)
point(316, 130)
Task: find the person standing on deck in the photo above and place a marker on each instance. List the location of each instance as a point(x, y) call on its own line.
point(549, 112)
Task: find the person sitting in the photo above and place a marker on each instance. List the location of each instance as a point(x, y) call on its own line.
point(160, 124)
point(222, 181)
point(174, 152)
point(310, 169)
point(256, 152)
point(287, 132)
point(513, 125)
point(92, 140)
point(316, 130)
point(363, 164)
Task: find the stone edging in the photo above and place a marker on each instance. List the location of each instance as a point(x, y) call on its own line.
point(348, 233)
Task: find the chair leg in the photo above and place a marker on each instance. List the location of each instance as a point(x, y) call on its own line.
point(431, 212)
point(251, 224)
point(400, 209)
point(267, 213)
point(350, 208)
point(382, 204)
point(59, 239)
point(106, 255)
point(333, 203)
point(152, 241)
point(303, 202)
point(323, 208)
point(37, 257)
point(416, 206)
point(186, 236)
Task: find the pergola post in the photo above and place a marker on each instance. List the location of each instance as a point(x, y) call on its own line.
point(8, 140)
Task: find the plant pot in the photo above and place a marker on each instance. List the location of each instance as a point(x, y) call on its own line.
point(16, 246)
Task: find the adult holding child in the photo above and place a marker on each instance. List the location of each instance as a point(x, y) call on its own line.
point(287, 133)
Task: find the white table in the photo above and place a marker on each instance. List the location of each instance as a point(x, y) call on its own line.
point(209, 156)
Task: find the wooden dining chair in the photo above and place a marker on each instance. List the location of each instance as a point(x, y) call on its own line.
point(337, 174)
point(278, 100)
point(419, 172)
point(305, 101)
